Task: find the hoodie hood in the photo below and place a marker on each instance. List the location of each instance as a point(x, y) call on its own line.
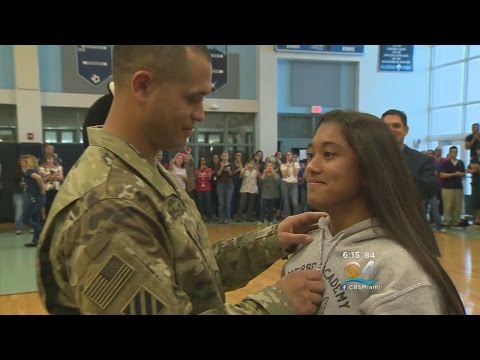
point(365, 230)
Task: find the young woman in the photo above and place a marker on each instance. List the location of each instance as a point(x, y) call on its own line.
point(372, 248)
point(203, 175)
point(289, 187)
point(18, 195)
point(177, 168)
point(248, 190)
point(34, 196)
point(224, 174)
point(270, 192)
point(52, 175)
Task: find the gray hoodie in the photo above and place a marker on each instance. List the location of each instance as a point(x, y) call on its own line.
point(366, 273)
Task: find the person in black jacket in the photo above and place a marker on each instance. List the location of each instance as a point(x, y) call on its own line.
point(421, 166)
point(97, 114)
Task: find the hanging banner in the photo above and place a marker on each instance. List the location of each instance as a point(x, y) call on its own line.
point(334, 49)
point(219, 66)
point(395, 58)
point(94, 63)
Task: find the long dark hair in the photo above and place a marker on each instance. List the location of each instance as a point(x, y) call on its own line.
point(391, 194)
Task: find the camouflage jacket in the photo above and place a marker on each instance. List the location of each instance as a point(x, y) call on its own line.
point(122, 238)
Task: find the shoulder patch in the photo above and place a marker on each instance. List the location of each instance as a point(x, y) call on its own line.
point(109, 280)
point(175, 207)
point(143, 302)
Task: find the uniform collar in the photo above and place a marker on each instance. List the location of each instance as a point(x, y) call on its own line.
point(100, 137)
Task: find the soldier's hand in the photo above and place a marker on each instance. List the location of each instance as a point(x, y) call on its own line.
point(292, 231)
point(304, 289)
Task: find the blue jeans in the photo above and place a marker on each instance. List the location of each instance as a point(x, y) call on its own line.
point(32, 214)
point(268, 209)
point(18, 206)
point(204, 202)
point(290, 198)
point(433, 203)
point(225, 192)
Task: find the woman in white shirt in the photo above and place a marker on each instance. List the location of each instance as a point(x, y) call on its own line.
point(289, 171)
point(178, 170)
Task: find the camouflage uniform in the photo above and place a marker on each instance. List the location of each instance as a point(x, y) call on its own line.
point(123, 238)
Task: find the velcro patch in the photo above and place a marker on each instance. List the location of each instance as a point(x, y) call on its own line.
point(106, 284)
point(144, 303)
point(268, 231)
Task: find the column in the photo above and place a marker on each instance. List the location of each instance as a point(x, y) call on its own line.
point(29, 106)
point(266, 123)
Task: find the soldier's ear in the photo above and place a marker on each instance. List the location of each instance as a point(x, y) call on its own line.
point(141, 85)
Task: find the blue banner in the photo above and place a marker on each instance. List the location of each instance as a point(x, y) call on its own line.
point(94, 63)
point(335, 49)
point(219, 66)
point(395, 58)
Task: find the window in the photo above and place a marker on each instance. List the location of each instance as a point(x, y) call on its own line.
point(214, 138)
point(215, 121)
point(62, 136)
point(455, 94)
point(472, 116)
point(8, 120)
point(474, 50)
point(63, 125)
point(223, 131)
point(50, 136)
point(448, 85)
point(473, 90)
point(447, 121)
point(444, 54)
point(66, 136)
point(7, 134)
point(455, 97)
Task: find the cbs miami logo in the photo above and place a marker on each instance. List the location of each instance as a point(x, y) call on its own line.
point(354, 272)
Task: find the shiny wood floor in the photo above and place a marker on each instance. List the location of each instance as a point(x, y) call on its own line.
point(461, 259)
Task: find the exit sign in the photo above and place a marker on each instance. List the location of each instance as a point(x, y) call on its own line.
point(316, 109)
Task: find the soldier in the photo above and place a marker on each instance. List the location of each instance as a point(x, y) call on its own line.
point(122, 238)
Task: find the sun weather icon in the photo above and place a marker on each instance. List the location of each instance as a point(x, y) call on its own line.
point(353, 271)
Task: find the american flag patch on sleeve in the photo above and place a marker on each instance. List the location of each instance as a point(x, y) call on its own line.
point(106, 284)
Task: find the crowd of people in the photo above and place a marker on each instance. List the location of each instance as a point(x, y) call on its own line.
point(450, 171)
point(126, 236)
point(246, 189)
point(36, 183)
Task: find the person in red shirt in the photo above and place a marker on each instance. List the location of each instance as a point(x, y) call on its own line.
point(203, 174)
